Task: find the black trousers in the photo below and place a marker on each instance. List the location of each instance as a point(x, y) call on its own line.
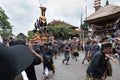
point(49, 65)
point(30, 71)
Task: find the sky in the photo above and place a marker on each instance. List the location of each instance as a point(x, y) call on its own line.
point(24, 13)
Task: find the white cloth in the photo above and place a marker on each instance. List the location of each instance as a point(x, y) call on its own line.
point(1, 40)
point(24, 75)
point(46, 71)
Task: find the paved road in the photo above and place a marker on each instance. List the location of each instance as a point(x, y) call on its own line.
point(74, 71)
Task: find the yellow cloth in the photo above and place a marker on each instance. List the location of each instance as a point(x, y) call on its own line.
point(75, 50)
point(53, 65)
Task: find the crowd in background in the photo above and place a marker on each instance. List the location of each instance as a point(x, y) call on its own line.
point(70, 48)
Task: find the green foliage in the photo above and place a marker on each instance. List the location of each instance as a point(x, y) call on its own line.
point(30, 35)
point(21, 36)
point(6, 33)
point(60, 31)
point(85, 26)
point(5, 27)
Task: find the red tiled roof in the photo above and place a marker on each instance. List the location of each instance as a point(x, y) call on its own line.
point(58, 22)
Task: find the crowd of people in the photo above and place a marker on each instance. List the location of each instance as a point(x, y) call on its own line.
point(98, 52)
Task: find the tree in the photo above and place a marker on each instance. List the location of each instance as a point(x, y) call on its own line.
point(85, 27)
point(60, 31)
point(21, 36)
point(5, 26)
point(30, 35)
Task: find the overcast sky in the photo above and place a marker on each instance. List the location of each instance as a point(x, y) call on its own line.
point(23, 13)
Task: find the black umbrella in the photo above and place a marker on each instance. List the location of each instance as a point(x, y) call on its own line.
point(13, 60)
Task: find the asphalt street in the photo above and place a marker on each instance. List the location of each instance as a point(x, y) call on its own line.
point(74, 71)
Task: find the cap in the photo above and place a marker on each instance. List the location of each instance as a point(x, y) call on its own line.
point(106, 45)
